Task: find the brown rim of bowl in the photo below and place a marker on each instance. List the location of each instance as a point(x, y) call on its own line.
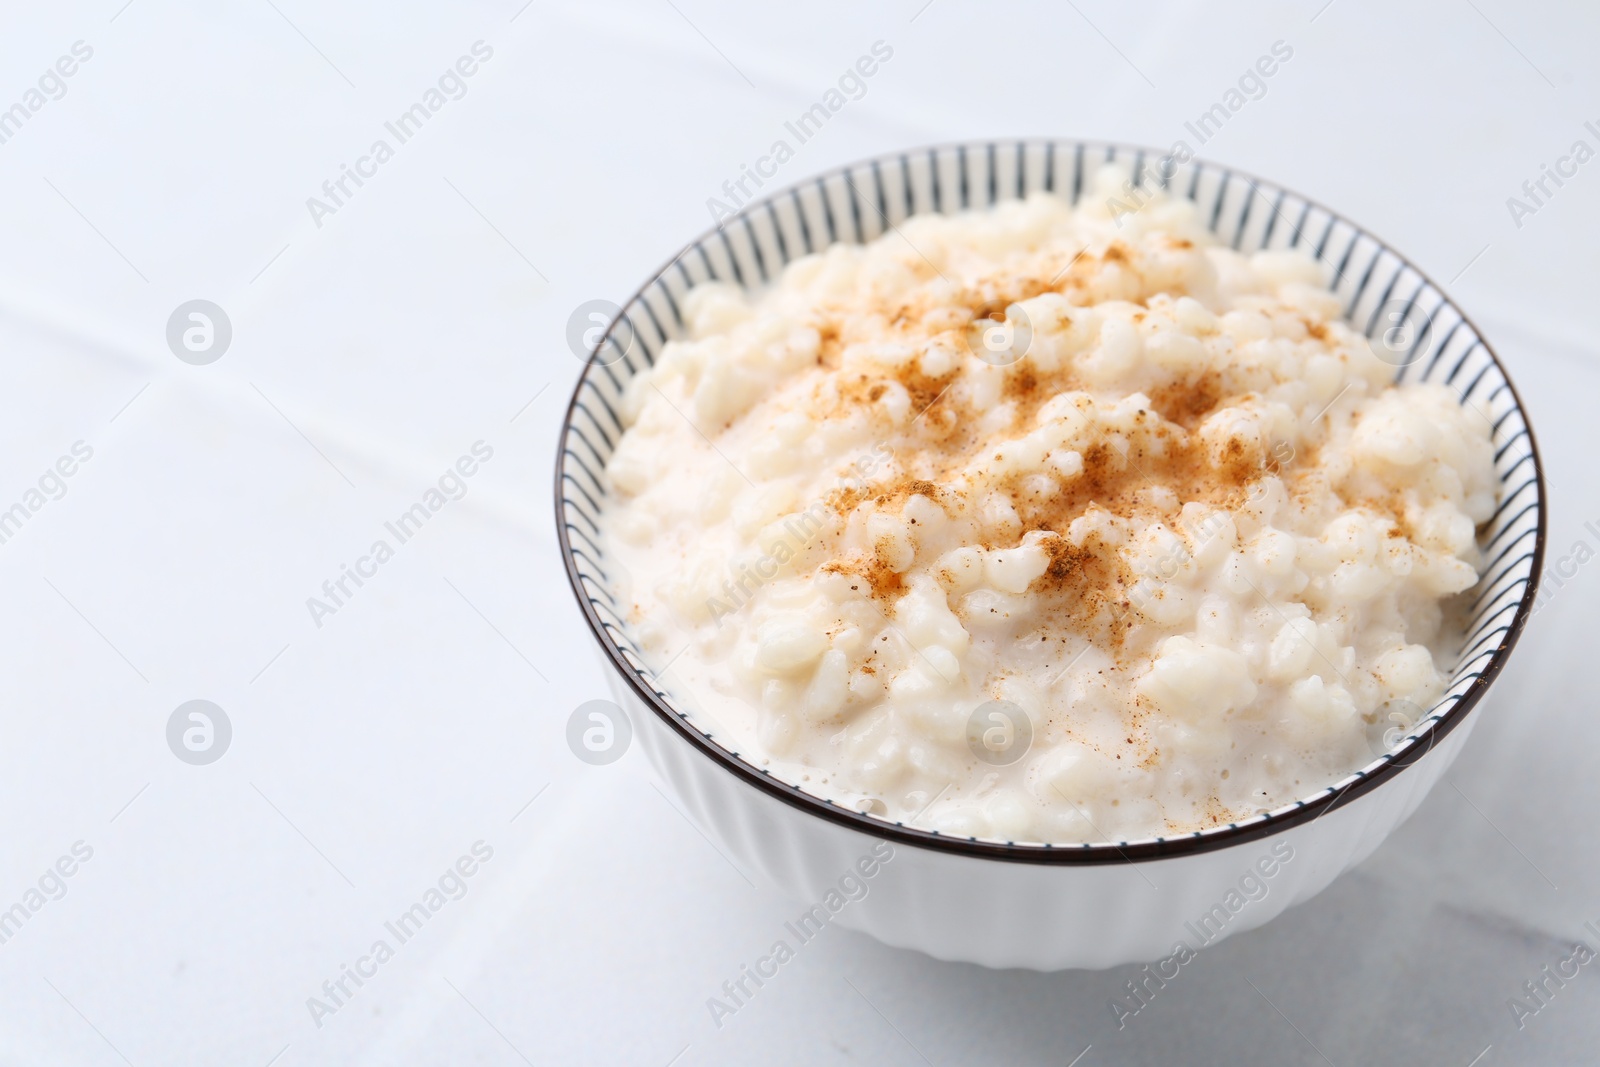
point(1298, 813)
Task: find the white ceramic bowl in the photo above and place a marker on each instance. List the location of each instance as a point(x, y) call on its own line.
point(1025, 905)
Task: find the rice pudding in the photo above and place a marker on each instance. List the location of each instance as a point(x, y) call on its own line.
point(1040, 524)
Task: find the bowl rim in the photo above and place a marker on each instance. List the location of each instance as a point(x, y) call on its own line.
point(1300, 812)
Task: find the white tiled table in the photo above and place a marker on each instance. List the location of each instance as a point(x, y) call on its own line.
point(371, 351)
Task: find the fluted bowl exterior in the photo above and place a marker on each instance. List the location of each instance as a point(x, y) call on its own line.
point(1016, 904)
